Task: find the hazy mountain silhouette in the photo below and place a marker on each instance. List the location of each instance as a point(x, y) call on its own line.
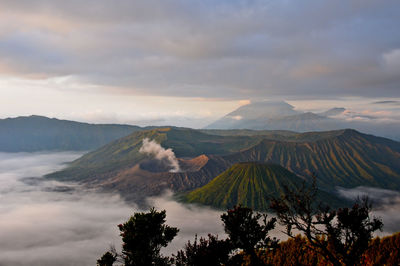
point(38, 133)
point(267, 115)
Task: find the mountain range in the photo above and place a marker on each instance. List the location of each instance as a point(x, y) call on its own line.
point(279, 115)
point(185, 160)
point(121, 167)
point(39, 133)
point(345, 158)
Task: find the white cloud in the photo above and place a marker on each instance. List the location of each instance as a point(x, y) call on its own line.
point(386, 205)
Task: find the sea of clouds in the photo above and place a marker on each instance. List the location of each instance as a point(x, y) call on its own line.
point(45, 222)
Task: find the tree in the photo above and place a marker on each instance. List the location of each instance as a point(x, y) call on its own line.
point(245, 231)
point(384, 251)
point(143, 236)
point(341, 236)
point(211, 252)
point(107, 259)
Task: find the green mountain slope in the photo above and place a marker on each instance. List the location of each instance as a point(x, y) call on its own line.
point(344, 158)
point(124, 153)
point(278, 135)
point(248, 132)
point(249, 184)
point(347, 158)
point(38, 133)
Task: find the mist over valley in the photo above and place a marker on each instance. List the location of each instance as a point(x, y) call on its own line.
point(52, 223)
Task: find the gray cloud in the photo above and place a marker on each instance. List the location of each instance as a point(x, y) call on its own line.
point(207, 48)
point(387, 102)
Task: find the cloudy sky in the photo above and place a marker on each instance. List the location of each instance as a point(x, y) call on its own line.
point(190, 62)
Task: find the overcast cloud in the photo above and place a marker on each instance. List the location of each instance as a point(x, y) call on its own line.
point(188, 63)
point(228, 49)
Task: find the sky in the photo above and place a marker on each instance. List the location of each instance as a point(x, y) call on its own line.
point(188, 63)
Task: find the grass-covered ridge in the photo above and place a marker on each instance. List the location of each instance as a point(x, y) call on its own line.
point(348, 159)
point(249, 184)
point(345, 158)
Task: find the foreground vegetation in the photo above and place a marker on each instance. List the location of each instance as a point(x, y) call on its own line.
point(297, 251)
point(328, 237)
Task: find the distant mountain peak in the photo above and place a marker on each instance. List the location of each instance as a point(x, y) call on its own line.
point(267, 109)
point(38, 133)
point(279, 115)
point(255, 112)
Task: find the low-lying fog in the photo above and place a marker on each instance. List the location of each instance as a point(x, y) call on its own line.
point(386, 205)
point(51, 223)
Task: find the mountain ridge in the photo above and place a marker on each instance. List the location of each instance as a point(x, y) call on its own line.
point(347, 159)
point(279, 115)
point(39, 133)
point(250, 184)
point(344, 158)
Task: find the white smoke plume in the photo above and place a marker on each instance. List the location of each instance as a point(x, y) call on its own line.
point(153, 148)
